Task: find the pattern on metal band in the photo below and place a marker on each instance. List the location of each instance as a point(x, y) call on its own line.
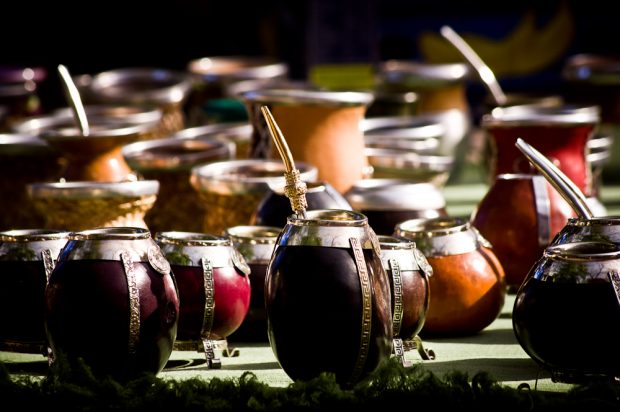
point(375, 242)
point(207, 275)
point(481, 239)
point(362, 272)
point(416, 343)
point(158, 260)
point(399, 351)
point(134, 302)
point(240, 262)
point(213, 362)
point(614, 278)
point(50, 356)
point(397, 288)
point(48, 263)
point(422, 262)
point(541, 198)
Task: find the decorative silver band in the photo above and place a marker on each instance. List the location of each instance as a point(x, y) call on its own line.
point(134, 302)
point(48, 263)
point(366, 309)
point(397, 283)
point(207, 273)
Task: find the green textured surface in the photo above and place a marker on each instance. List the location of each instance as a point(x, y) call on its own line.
point(493, 350)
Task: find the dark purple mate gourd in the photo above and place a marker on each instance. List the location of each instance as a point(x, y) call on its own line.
point(112, 301)
point(27, 258)
point(328, 297)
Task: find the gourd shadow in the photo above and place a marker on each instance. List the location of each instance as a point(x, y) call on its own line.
point(501, 369)
point(503, 336)
point(255, 366)
point(35, 368)
point(200, 364)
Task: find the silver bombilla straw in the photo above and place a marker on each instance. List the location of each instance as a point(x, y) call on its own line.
point(484, 72)
point(562, 183)
point(73, 96)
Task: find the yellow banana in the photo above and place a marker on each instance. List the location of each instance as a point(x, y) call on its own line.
point(524, 51)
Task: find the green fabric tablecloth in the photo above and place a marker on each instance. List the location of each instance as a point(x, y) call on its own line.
point(493, 350)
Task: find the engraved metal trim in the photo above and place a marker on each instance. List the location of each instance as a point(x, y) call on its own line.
point(48, 263)
point(440, 236)
point(198, 346)
point(207, 321)
point(614, 278)
point(524, 115)
point(541, 200)
point(50, 356)
point(481, 239)
point(320, 98)
point(416, 343)
point(362, 272)
point(104, 243)
point(239, 262)
point(594, 260)
point(196, 246)
point(397, 288)
point(27, 244)
point(92, 189)
point(242, 176)
point(256, 243)
point(213, 362)
point(394, 194)
point(422, 262)
point(399, 352)
point(158, 261)
point(328, 228)
point(171, 154)
point(374, 240)
point(134, 302)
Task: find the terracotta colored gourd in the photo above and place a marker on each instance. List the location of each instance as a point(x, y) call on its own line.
point(96, 157)
point(468, 284)
point(521, 212)
point(322, 129)
point(517, 225)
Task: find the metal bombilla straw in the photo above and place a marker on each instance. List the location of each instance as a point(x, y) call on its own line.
point(484, 72)
point(562, 183)
point(75, 101)
point(295, 189)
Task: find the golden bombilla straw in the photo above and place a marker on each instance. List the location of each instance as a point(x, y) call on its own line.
point(295, 189)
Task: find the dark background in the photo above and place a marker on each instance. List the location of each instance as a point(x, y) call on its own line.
point(92, 36)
